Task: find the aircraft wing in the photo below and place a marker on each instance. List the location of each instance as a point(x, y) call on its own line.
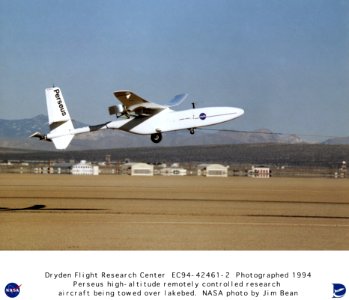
point(177, 100)
point(134, 103)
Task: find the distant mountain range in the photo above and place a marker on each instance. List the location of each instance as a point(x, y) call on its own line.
point(15, 134)
point(337, 141)
point(22, 128)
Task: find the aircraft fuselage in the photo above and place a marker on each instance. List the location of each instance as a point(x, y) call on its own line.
point(169, 120)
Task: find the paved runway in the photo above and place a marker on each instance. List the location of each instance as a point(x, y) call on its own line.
point(43, 212)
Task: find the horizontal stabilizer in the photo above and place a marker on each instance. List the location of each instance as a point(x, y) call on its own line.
point(62, 142)
point(40, 136)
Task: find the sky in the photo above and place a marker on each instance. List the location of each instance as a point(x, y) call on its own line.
point(285, 62)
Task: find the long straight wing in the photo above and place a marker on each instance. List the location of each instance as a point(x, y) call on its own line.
point(128, 98)
point(177, 100)
point(134, 103)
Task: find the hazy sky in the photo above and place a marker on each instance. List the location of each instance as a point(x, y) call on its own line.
point(286, 62)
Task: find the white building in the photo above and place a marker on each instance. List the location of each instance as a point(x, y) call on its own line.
point(138, 169)
point(213, 170)
point(259, 172)
point(343, 170)
point(173, 171)
point(84, 168)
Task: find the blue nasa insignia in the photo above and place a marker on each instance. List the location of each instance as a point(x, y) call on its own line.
point(202, 116)
point(12, 290)
point(339, 290)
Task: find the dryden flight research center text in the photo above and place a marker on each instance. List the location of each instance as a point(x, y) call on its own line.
point(198, 284)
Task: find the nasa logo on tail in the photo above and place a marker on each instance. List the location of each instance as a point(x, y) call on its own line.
point(202, 116)
point(339, 290)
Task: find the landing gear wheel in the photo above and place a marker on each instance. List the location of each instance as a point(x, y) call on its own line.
point(192, 130)
point(156, 137)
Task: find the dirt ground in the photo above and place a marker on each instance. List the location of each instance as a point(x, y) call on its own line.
point(44, 212)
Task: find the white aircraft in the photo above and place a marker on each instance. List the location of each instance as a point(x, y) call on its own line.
point(134, 115)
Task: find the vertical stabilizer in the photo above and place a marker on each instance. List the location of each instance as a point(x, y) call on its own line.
point(56, 108)
point(61, 125)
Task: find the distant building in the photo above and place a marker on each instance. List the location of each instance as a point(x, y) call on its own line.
point(108, 159)
point(173, 171)
point(212, 170)
point(259, 172)
point(137, 169)
point(84, 168)
point(343, 170)
point(44, 170)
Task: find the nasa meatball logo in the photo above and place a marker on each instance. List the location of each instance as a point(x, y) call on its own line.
point(202, 116)
point(12, 290)
point(339, 290)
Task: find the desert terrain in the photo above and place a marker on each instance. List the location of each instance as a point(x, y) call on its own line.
point(65, 212)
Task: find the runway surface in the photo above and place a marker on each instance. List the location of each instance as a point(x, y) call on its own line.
point(44, 212)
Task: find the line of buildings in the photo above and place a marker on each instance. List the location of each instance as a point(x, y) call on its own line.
point(127, 168)
point(160, 169)
point(144, 169)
